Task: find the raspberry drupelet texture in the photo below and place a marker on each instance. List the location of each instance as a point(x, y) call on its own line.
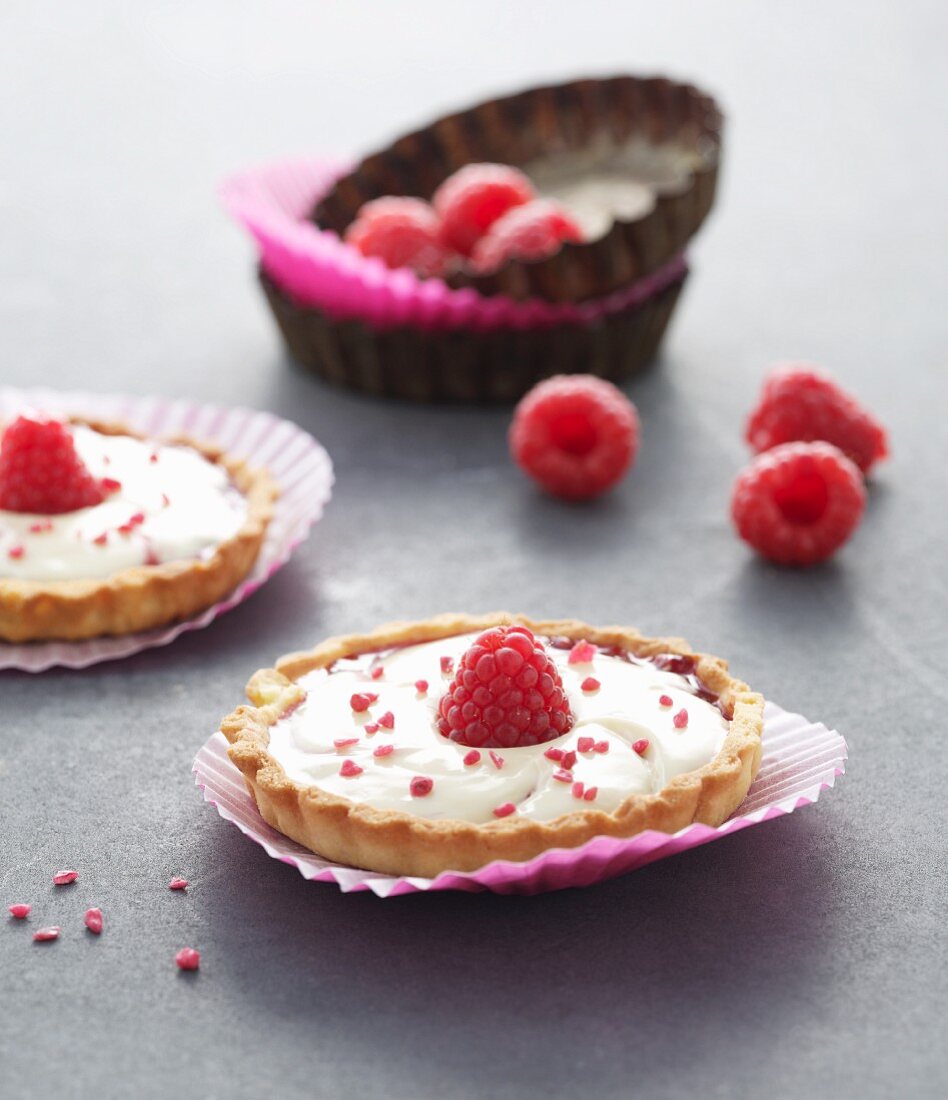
point(473, 198)
point(506, 693)
point(798, 503)
point(401, 232)
point(40, 471)
point(800, 403)
point(529, 232)
point(576, 435)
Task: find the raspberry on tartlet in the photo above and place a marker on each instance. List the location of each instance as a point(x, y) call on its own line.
point(798, 503)
point(473, 198)
point(529, 232)
point(401, 232)
point(575, 435)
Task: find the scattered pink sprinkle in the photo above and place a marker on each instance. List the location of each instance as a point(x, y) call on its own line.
point(496, 759)
point(378, 672)
point(420, 786)
point(421, 686)
point(665, 700)
point(188, 959)
point(384, 750)
point(561, 775)
point(16, 551)
point(681, 719)
point(601, 746)
point(63, 878)
point(165, 500)
point(110, 485)
point(39, 528)
point(137, 519)
point(101, 540)
point(590, 684)
point(640, 746)
point(504, 810)
point(569, 760)
point(554, 754)
point(578, 789)
point(93, 921)
point(387, 720)
point(151, 557)
point(370, 728)
point(447, 665)
point(345, 742)
point(472, 757)
point(178, 884)
point(582, 653)
point(41, 935)
point(21, 911)
point(153, 457)
point(349, 768)
point(585, 744)
point(362, 700)
point(124, 528)
point(590, 794)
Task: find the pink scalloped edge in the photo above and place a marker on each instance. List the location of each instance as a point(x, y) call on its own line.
point(315, 268)
point(300, 466)
point(801, 759)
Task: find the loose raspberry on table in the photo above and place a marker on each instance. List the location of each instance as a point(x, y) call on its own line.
point(473, 198)
point(798, 503)
point(801, 403)
point(530, 232)
point(575, 435)
point(40, 471)
point(506, 693)
point(401, 232)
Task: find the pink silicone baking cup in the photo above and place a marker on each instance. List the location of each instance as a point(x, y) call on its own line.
point(299, 465)
point(315, 268)
point(801, 759)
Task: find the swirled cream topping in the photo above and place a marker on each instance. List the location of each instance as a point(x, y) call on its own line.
point(376, 756)
point(171, 504)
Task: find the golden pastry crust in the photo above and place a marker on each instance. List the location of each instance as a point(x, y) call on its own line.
point(398, 843)
point(146, 596)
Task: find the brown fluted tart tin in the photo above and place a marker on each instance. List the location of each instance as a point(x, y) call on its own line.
point(634, 158)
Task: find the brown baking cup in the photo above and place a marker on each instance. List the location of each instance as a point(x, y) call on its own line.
point(654, 144)
point(466, 364)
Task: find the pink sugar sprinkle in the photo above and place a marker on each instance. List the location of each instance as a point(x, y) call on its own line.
point(350, 768)
point(151, 558)
point(496, 759)
point(110, 484)
point(582, 653)
point(590, 684)
point(101, 540)
point(554, 754)
point(472, 757)
point(20, 910)
point(16, 552)
point(93, 921)
point(640, 746)
point(378, 672)
point(345, 742)
point(361, 701)
point(505, 809)
point(577, 790)
point(561, 775)
point(585, 744)
point(387, 720)
point(153, 457)
point(590, 794)
point(384, 750)
point(178, 884)
point(665, 700)
point(137, 519)
point(569, 760)
point(371, 727)
point(44, 934)
point(63, 878)
point(188, 959)
point(681, 719)
point(601, 746)
point(447, 665)
point(165, 499)
point(421, 686)
point(39, 528)
point(420, 786)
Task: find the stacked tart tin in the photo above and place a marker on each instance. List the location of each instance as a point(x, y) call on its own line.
point(636, 162)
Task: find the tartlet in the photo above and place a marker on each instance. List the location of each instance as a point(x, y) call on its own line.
point(182, 532)
point(369, 779)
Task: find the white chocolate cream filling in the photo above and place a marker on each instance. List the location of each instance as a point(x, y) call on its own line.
point(173, 504)
point(314, 742)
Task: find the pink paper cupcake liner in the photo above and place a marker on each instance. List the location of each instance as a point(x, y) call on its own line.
point(299, 465)
point(801, 759)
point(315, 268)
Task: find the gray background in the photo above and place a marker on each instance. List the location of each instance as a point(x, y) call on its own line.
point(805, 956)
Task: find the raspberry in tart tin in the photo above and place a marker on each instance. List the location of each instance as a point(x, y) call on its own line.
point(103, 531)
point(449, 743)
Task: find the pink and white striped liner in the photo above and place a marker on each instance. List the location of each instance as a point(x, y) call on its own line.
point(299, 465)
point(801, 759)
point(317, 269)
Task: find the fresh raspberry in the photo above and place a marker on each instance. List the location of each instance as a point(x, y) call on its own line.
point(41, 472)
point(469, 202)
point(798, 503)
point(506, 693)
point(529, 232)
point(575, 435)
point(799, 402)
point(402, 232)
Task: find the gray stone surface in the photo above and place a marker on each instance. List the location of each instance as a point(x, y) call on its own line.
point(806, 956)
